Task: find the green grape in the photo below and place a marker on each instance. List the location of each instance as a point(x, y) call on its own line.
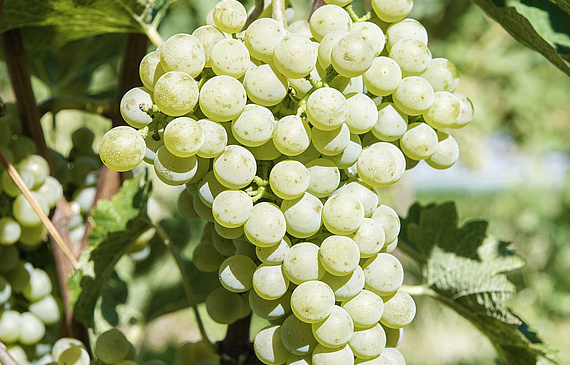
point(406, 29)
point(209, 36)
point(295, 55)
point(303, 215)
point(352, 55)
point(373, 34)
point(150, 69)
point(297, 359)
point(339, 255)
point(393, 336)
point(254, 126)
point(222, 98)
point(202, 209)
point(399, 310)
point(37, 166)
point(390, 356)
point(364, 193)
point(274, 254)
point(5, 290)
point(270, 282)
point(236, 273)
point(22, 146)
point(383, 76)
point(232, 208)
point(393, 10)
point(333, 356)
point(9, 187)
point(369, 237)
point(33, 236)
point(381, 164)
point(389, 220)
point(223, 306)
point(411, 55)
point(328, 18)
point(153, 143)
point(131, 107)
point(446, 154)
point(63, 344)
point(466, 115)
point(206, 258)
point(442, 75)
point(336, 330)
point(74, 356)
point(10, 231)
point(362, 113)
point(269, 347)
point(327, 108)
point(183, 137)
point(51, 190)
point(229, 16)
point(326, 45)
point(414, 95)
point(291, 135)
point(230, 233)
point(265, 85)
point(122, 148)
point(347, 286)
point(265, 152)
point(270, 309)
point(229, 57)
point(419, 142)
point(343, 213)
point(235, 168)
point(176, 93)
point(302, 263)
point(266, 225)
point(261, 36)
point(32, 329)
point(47, 310)
point(18, 354)
point(10, 326)
point(111, 346)
point(184, 53)
point(84, 165)
point(365, 309)
point(444, 112)
point(289, 179)
point(324, 177)
point(331, 142)
point(174, 170)
point(384, 274)
point(38, 287)
point(297, 336)
point(25, 214)
point(349, 155)
point(368, 343)
point(391, 124)
point(215, 139)
point(312, 301)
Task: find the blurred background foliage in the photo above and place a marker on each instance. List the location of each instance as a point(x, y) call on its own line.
point(522, 119)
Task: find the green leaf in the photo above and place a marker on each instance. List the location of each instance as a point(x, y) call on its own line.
point(563, 4)
point(540, 25)
point(116, 224)
point(76, 19)
point(465, 269)
point(146, 290)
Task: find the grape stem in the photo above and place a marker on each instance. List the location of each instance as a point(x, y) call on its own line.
point(5, 357)
point(278, 12)
point(418, 290)
point(185, 280)
point(355, 18)
point(43, 217)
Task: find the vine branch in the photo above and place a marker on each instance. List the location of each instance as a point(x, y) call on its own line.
point(278, 12)
point(255, 13)
point(5, 357)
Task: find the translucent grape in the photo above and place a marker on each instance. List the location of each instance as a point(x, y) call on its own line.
point(466, 115)
point(362, 113)
point(297, 336)
point(302, 263)
point(444, 112)
point(383, 76)
point(411, 55)
point(222, 98)
point(232, 208)
point(235, 168)
point(206, 258)
point(333, 356)
point(294, 55)
point(274, 254)
point(303, 215)
point(261, 37)
point(10, 231)
point(373, 34)
point(215, 139)
point(51, 190)
point(352, 55)
point(254, 126)
point(150, 69)
point(324, 177)
point(326, 45)
point(32, 329)
point(269, 347)
point(289, 179)
point(419, 142)
point(339, 255)
point(130, 107)
point(368, 343)
point(291, 135)
point(442, 75)
point(365, 309)
point(336, 330)
point(399, 310)
point(347, 286)
point(327, 108)
point(391, 124)
point(389, 220)
point(229, 57)
point(328, 18)
point(384, 274)
point(223, 306)
point(236, 273)
point(312, 301)
point(369, 237)
point(209, 36)
point(349, 155)
point(266, 225)
point(446, 154)
point(74, 356)
point(229, 16)
point(174, 170)
point(25, 214)
point(392, 10)
point(176, 93)
point(343, 214)
point(270, 309)
point(183, 137)
point(331, 142)
point(414, 95)
point(184, 53)
point(381, 164)
point(10, 326)
point(122, 148)
point(406, 29)
point(265, 86)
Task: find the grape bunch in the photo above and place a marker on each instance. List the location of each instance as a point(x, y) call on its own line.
point(284, 141)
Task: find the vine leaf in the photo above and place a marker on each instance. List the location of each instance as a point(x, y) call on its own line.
point(76, 19)
point(465, 269)
point(116, 224)
point(146, 290)
point(541, 25)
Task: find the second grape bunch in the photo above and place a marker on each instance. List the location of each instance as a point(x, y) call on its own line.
point(284, 140)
